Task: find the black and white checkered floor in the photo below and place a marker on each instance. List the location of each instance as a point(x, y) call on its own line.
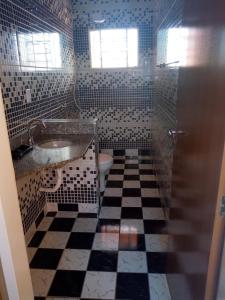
point(120, 255)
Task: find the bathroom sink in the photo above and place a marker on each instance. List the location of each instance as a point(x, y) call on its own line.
point(61, 142)
point(55, 144)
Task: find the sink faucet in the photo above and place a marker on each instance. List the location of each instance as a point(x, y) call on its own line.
point(29, 127)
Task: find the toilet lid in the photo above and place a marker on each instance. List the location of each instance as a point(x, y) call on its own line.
point(104, 158)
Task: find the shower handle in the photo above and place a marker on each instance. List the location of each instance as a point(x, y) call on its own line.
point(174, 133)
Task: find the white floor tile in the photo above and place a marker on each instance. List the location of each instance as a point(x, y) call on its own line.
point(41, 280)
point(113, 192)
point(131, 202)
point(131, 184)
point(113, 177)
point(45, 224)
point(99, 285)
point(147, 177)
point(106, 241)
point(30, 253)
point(153, 213)
point(131, 226)
point(61, 298)
point(117, 166)
point(66, 214)
point(131, 161)
point(110, 212)
point(132, 262)
point(145, 192)
point(131, 172)
point(156, 242)
point(85, 225)
point(146, 167)
point(74, 259)
point(158, 287)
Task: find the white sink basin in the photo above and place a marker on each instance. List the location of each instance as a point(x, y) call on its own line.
point(55, 144)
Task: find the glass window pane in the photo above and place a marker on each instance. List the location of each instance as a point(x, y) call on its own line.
point(114, 48)
point(132, 46)
point(114, 60)
point(40, 50)
point(95, 49)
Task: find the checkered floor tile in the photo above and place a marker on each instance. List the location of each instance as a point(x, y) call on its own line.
point(121, 254)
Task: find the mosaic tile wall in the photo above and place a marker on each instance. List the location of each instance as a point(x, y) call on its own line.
point(50, 87)
point(165, 99)
point(30, 199)
point(80, 181)
point(120, 98)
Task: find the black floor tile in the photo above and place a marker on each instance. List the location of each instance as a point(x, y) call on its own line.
point(147, 172)
point(112, 201)
point(132, 286)
point(131, 177)
point(118, 152)
point(116, 172)
point(155, 226)
point(51, 214)
point(131, 213)
point(67, 284)
point(119, 161)
point(114, 184)
point(131, 192)
point(132, 242)
point(149, 184)
point(105, 261)
point(62, 224)
point(108, 226)
point(146, 161)
point(157, 262)
point(37, 239)
point(79, 240)
point(143, 152)
point(68, 207)
point(151, 202)
point(39, 218)
point(46, 259)
point(131, 166)
point(87, 215)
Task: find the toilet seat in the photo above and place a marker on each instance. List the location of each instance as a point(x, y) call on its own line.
point(105, 162)
point(104, 158)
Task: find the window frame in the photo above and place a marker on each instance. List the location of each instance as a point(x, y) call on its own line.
point(116, 68)
point(35, 68)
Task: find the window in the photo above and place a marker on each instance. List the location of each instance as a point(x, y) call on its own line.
point(40, 50)
point(177, 43)
point(114, 48)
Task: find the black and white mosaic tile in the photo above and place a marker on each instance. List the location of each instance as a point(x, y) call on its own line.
point(121, 254)
point(120, 98)
point(80, 181)
point(165, 103)
point(31, 200)
point(50, 87)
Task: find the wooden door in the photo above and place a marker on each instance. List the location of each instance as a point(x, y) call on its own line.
point(199, 149)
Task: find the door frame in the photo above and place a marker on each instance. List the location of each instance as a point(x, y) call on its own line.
point(13, 253)
point(217, 240)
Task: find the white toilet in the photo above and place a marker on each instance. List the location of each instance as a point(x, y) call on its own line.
point(105, 162)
